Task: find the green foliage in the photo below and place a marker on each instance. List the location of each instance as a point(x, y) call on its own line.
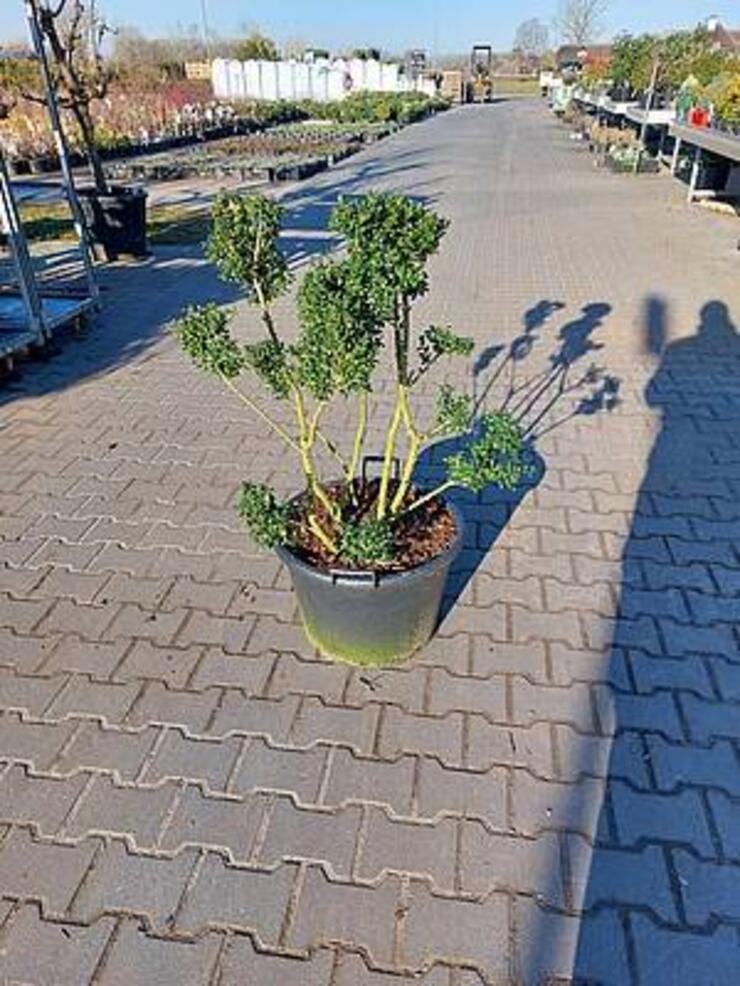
point(269, 360)
point(724, 94)
point(437, 341)
point(255, 47)
point(244, 244)
point(680, 56)
point(203, 332)
point(269, 520)
point(375, 107)
point(395, 236)
point(495, 456)
point(453, 412)
point(367, 543)
point(340, 339)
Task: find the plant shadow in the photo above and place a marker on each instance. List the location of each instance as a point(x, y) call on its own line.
point(540, 402)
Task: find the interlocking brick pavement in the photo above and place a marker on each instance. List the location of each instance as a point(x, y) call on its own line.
point(549, 791)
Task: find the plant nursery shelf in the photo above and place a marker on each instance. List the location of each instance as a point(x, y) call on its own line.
point(724, 144)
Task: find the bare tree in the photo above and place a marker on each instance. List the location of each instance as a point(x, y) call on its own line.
point(74, 32)
point(531, 37)
point(579, 21)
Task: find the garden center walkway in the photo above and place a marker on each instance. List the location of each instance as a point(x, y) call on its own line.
point(552, 787)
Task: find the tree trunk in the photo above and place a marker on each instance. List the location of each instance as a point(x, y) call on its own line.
point(87, 129)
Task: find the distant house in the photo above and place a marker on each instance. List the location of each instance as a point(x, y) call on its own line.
point(576, 56)
point(723, 38)
point(15, 53)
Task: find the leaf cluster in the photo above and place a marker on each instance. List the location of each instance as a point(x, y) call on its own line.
point(203, 332)
point(453, 411)
point(340, 339)
point(438, 341)
point(244, 244)
point(368, 543)
point(269, 520)
point(395, 236)
point(495, 456)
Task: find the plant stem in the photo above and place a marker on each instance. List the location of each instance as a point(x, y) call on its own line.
point(253, 406)
point(332, 449)
point(360, 433)
point(416, 441)
point(321, 534)
point(265, 312)
point(390, 447)
point(412, 457)
point(308, 435)
point(438, 491)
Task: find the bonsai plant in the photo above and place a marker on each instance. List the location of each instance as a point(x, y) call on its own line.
point(368, 556)
point(74, 33)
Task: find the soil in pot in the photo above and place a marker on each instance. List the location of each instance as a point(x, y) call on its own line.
point(381, 616)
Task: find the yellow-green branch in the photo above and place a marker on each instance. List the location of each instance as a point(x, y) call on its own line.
point(253, 406)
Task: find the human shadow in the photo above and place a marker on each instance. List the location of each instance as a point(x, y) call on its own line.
point(539, 402)
point(650, 820)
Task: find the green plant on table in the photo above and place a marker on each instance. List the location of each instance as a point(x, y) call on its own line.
point(349, 307)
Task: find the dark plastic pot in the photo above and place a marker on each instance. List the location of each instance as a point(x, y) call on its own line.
point(117, 221)
point(372, 617)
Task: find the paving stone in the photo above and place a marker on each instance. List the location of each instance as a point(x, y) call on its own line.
point(405, 687)
point(462, 792)
point(218, 822)
point(613, 876)
point(237, 898)
point(205, 760)
point(35, 743)
point(124, 588)
point(240, 960)
point(492, 861)
point(348, 914)
point(48, 953)
point(619, 710)
point(709, 720)
point(137, 958)
point(665, 955)
point(538, 805)
point(25, 655)
point(232, 671)
point(726, 813)
point(140, 885)
point(489, 745)
point(171, 665)
point(661, 817)
point(33, 869)
point(294, 676)
point(675, 765)
point(707, 889)
point(335, 724)
point(263, 767)
point(297, 834)
point(685, 673)
point(83, 697)
point(461, 931)
point(352, 971)
point(402, 732)
point(22, 615)
point(271, 717)
point(96, 747)
point(138, 812)
point(219, 631)
point(535, 703)
point(158, 704)
point(551, 947)
point(491, 657)
point(450, 693)
point(77, 656)
point(422, 848)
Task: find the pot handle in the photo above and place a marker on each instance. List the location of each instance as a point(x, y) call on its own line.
point(344, 575)
point(366, 459)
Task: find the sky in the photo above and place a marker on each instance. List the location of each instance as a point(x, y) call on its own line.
point(440, 26)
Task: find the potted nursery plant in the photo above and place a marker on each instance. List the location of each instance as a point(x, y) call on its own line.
point(74, 35)
point(368, 557)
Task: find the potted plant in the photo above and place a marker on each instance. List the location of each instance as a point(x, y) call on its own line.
point(369, 556)
point(74, 34)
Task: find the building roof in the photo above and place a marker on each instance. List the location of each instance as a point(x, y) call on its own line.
point(726, 38)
